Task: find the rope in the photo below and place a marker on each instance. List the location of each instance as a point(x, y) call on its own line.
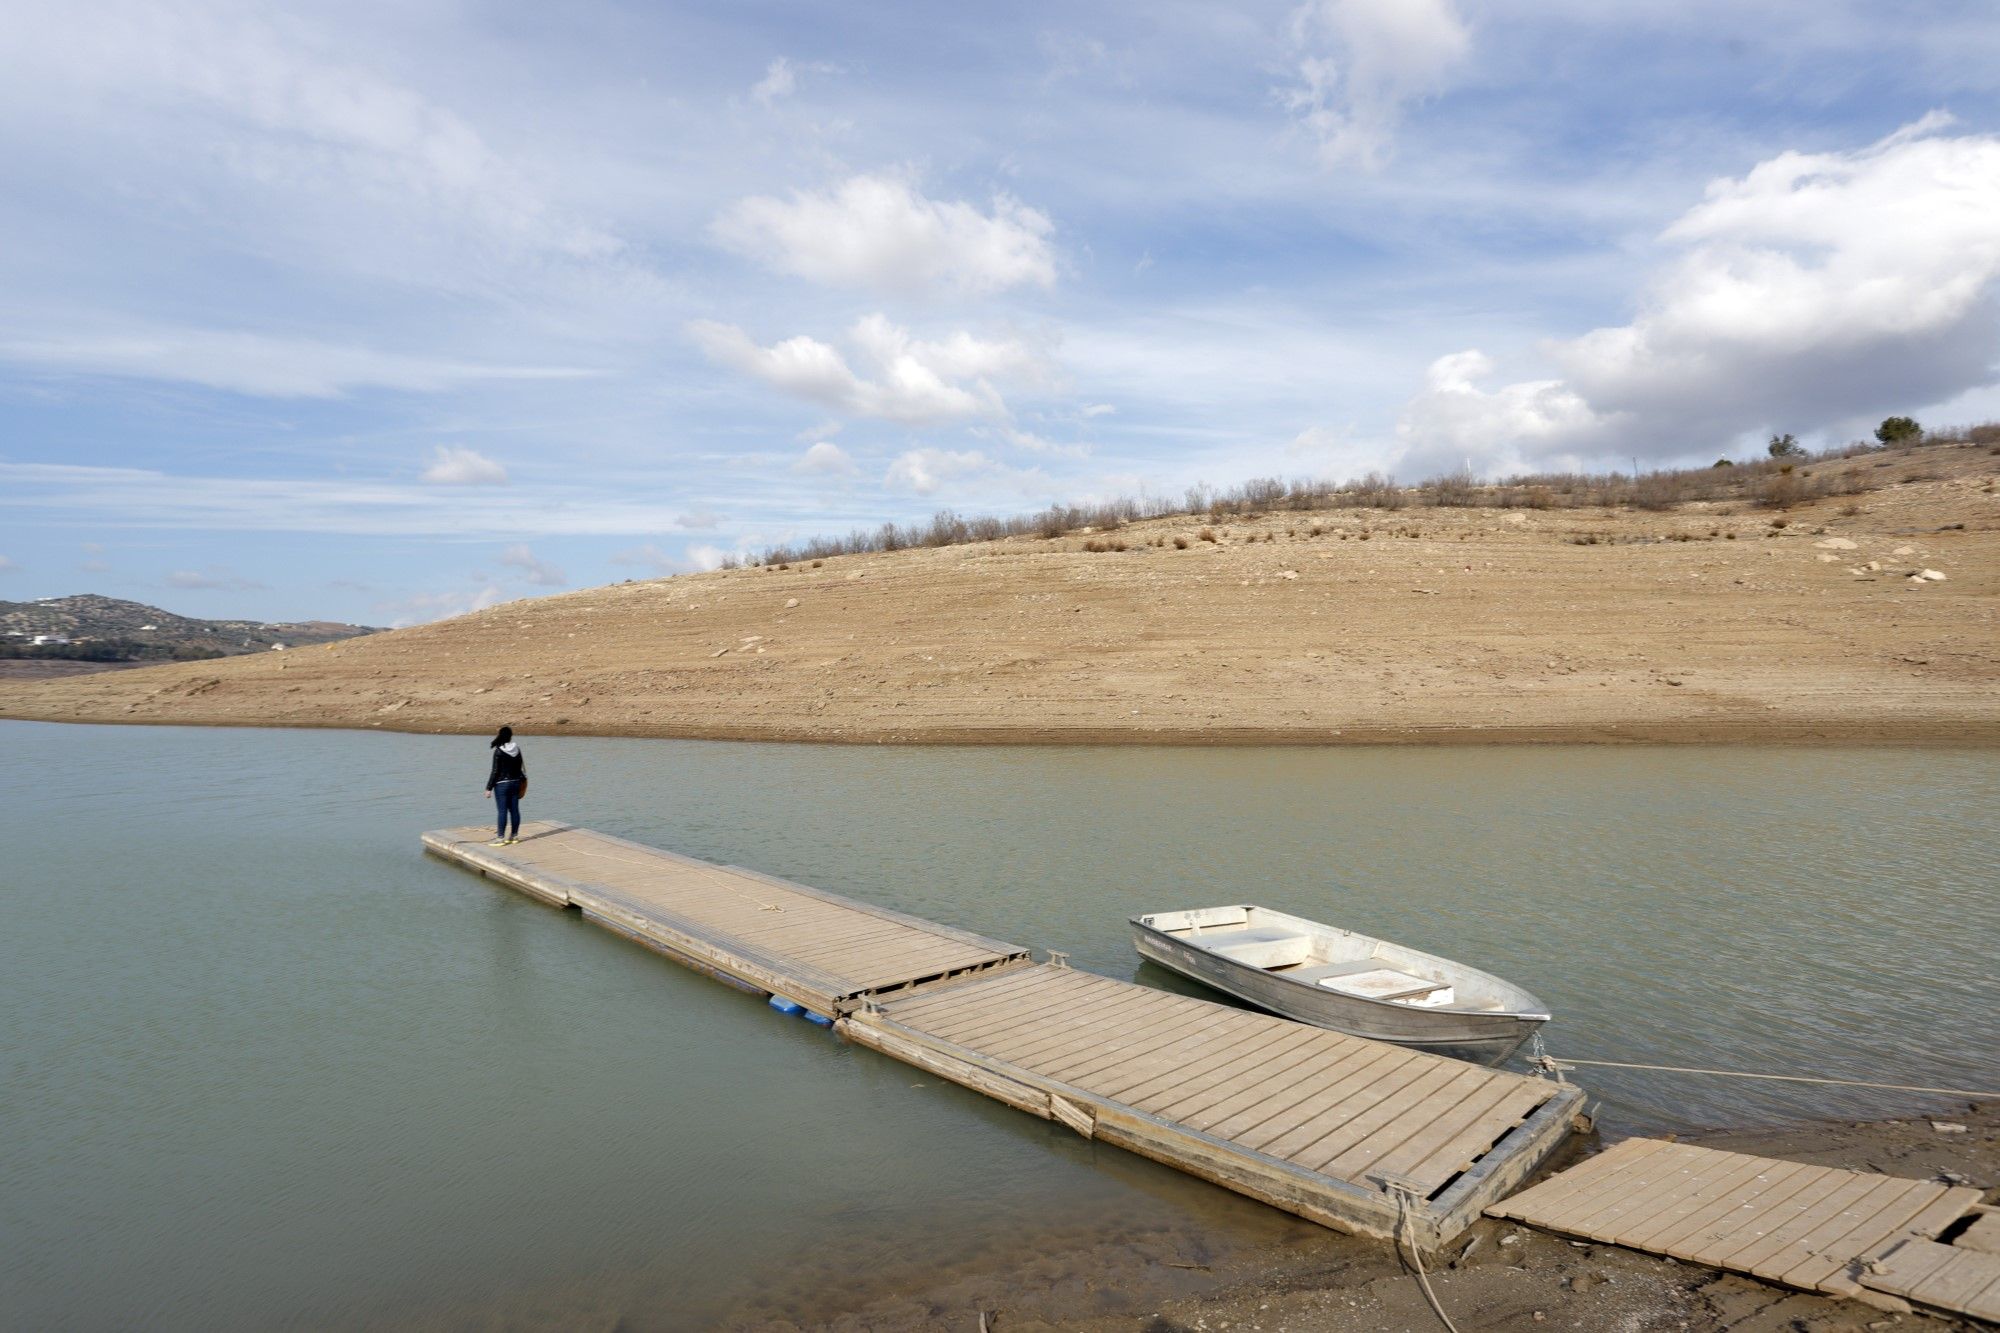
point(1404, 1196)
point(1554, 1066)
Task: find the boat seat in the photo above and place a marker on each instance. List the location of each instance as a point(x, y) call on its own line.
point(1371, 978)
point(1321, 971)
point(1261, 946)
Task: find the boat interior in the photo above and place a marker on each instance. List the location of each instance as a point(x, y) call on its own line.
point(1313, 954)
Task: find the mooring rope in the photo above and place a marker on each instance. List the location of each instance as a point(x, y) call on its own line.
point(1739, 1073)
point(1405, 1198)
point(1556, 1064)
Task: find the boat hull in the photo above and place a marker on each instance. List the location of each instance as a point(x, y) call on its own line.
point(1485, 1039)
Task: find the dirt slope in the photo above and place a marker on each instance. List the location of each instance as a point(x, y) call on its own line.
point(1703, 623)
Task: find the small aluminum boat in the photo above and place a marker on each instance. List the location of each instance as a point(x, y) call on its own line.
point(1334, 978)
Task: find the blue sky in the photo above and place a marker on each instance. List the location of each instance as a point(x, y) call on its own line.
point(384, 312)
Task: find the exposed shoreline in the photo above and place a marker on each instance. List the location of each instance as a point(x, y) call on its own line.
point(1872, 621)
point(1933, 734)
point(1291, 1275)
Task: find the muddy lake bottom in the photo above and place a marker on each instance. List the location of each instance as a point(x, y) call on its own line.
point(269, 1065)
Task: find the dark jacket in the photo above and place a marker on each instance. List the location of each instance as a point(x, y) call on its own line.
point(509, 765)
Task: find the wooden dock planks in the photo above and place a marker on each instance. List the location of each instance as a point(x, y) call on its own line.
point(1947, 1277)
point(1798, 1225)
point(1306, 1118)
point(1300, 1117)
point(806, 944)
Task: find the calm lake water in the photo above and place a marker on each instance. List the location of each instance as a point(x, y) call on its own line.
point(263, 1063)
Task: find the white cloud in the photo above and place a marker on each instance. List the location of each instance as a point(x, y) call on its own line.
point(251, 363)
point(298, 119)
point(8, 565)
point(534, 570)
point(826, 459)
point(927, 471)
point(1098, 410)
point(1455, 423)
point(454, 465)
point(1033, 443)
point(704, 556)
point(698, 519)
point(652, 557)
point(1361, 62)
point(879, 233)
point(149, 498)
point(914, 382)
point(212, 577)
point(781, 79)
point(420, 608)
point(1815, 292)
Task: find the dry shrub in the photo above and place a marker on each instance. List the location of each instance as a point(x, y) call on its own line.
point(1660, 490)
point(1784, 490)
point(1455, 490)
point(1180, 543)
point(1375, 491)
point(1208, 535)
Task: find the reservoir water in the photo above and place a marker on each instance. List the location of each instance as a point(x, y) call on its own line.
point(262, 1063)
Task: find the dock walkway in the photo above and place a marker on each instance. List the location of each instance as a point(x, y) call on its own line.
point(807, 945)
point(1816, 1228)
point(1309, 1120)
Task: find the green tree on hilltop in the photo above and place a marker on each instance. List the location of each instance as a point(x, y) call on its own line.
point(1899, 430)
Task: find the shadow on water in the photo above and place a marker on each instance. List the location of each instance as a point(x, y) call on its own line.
point(265, 1063)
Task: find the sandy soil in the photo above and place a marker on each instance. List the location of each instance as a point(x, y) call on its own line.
point(1500, 1278)
point(1706, 623)
point(27, 668)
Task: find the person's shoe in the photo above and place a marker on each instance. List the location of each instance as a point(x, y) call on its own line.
point(497, 842)
point(512, 841)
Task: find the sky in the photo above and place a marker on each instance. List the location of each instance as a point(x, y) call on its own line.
point(387, 312)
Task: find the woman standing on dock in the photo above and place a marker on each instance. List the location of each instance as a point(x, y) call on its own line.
point(506, 783)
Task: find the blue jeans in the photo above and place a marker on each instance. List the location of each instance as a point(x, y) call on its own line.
point(507, 806)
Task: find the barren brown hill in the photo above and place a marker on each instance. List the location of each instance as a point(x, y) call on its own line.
point(1705, 622)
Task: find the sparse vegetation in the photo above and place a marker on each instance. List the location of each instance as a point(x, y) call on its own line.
point(1790, 476)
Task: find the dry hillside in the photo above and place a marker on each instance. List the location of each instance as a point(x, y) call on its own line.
point(1704, 622)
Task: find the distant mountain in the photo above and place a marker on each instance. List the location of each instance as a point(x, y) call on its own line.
point(88, 627)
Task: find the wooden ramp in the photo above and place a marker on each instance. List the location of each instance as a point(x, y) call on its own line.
point(1309, 1120)
point(1957, 1278)
point(1811, 1227)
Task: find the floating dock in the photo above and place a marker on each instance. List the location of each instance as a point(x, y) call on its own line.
point(1852, 1234)
point(1355, 1134)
